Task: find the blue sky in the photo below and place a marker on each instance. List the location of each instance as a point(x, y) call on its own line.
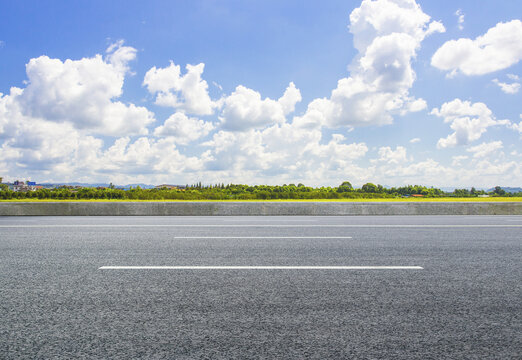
point(389, 91)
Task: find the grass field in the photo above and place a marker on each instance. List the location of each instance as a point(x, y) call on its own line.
point(447, 199)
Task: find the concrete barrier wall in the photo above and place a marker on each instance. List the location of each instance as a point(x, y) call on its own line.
point(256, 208)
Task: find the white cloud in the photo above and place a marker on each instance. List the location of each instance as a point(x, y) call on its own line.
point(336, 150)
point(217, 85)
point(468, 121)
point(460, 19)
point(484, 149)
point(289, 99)
point(516, 127)
point(498, 49)
point(34, 144)
point(513, 77)
point(457, 160)
point(184, 129)
point(389, 156)
point(387, 34)
point(477, 172)
point(244, 109)
point(496, 172)
point(269, 151)
point(188, 93)
point(119, 55)
point(42, 146)
point(284, 153)
point(82, 93)
point(424, 172)
point(507, 88)
point(147, 157)
point(57, 152)
point(45, 127)
point(415, 140)
point(414, 105)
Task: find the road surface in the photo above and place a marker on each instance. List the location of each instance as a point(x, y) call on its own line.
point(300, 287)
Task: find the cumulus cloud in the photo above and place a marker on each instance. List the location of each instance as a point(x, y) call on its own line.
point(484, 149)
point(37, 144)
point(337, 150)
point(285, 152)
point(479, 172)
point(244, 109)
point(82, 157)
point(497, 172)
point(146, 157)
point(387, 34)
point(468, 121)
point(290, 98)
point(390, 156)
point(413, 105)
point(82, 93)
point(184, 129)
point(47, 126)
point(507, 88)
point(34, 145)
point(427, 169)
point(187, 93)
point(415, 140)
point(499, 48)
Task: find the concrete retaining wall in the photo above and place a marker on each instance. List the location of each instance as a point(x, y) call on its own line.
point(256, 208)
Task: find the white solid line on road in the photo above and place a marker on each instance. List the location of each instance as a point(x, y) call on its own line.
point(270, 220)
point(262, 225)
point(261, 237)
point(260, 268)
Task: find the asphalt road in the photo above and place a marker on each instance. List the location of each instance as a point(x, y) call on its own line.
point(465, 302)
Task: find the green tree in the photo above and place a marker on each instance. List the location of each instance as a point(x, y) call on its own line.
point(461, 192)
point(345, 187)
point(499, 191)
point(347, 183)
point(369, 188)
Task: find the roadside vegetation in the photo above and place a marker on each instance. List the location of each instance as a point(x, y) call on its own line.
point(258, 192)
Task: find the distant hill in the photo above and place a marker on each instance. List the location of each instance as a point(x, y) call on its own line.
point(74, 184)
point(508, 189)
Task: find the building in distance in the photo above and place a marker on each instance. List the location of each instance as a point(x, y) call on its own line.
point(25, 186)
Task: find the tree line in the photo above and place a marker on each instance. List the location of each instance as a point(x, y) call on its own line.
point(247, 192)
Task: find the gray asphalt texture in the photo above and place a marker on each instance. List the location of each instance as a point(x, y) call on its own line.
point(465, 304)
